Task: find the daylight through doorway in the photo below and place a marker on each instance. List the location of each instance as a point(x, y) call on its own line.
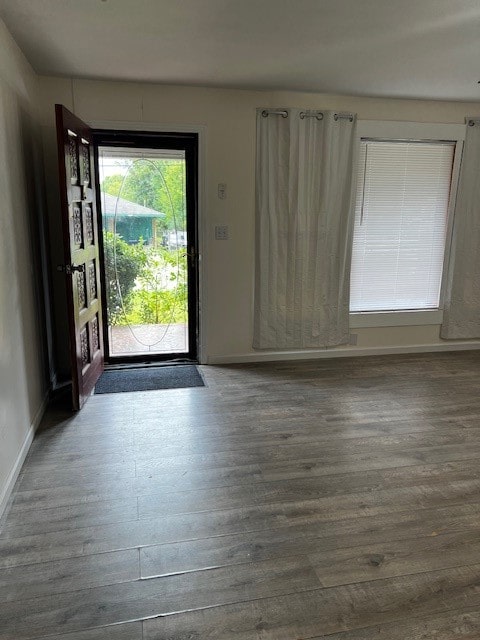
point(143, 201)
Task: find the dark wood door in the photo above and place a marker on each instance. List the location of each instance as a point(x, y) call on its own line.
point(81, 251)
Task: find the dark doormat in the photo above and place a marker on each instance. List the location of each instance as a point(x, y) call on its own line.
point(149, 379)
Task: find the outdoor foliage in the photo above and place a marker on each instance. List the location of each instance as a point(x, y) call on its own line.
point(161, 295)
point(129, 260)
point(151, 283)
point(158, 307)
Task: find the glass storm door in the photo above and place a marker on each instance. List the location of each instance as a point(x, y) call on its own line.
point(147, 204)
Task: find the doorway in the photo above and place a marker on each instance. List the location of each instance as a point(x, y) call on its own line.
point(147, 207)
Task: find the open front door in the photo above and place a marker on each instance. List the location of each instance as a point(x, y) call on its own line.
point(81, 251)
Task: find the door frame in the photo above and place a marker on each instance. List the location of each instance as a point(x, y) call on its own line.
point(195, 192)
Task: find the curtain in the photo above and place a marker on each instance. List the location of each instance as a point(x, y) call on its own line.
point(461, 317)
point(304, 226)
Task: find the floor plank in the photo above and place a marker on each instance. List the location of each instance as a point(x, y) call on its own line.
point(464, 625)
point(124, 631)
point(25, 523)
point(55, 577)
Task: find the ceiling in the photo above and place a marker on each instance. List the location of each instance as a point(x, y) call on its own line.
point(396, 48)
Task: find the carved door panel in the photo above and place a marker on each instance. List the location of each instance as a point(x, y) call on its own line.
point(81, 251)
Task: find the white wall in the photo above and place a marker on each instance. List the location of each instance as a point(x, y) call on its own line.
point(22, 368)
point(228, 117)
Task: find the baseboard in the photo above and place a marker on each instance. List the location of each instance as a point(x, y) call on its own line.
point(17, 467)
point(275, 356)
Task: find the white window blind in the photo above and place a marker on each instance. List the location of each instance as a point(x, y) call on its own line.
point(400, 225)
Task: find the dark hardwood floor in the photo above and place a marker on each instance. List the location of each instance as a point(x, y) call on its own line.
point(333, 499)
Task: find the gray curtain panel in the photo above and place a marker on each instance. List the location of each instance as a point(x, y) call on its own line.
point(461, 318)
point(304, 226)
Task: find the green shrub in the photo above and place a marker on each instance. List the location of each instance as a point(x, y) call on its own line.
point(123, 264)
point(133, 276)
point(158, 307)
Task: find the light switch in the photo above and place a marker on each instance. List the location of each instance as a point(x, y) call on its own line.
point(221, 232)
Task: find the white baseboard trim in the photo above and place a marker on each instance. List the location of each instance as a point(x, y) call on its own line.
point(275, 356)
point(6, 492)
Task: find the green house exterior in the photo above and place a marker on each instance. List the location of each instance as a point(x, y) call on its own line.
point(131, 221)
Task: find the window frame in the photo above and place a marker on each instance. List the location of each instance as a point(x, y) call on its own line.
point(396, 131)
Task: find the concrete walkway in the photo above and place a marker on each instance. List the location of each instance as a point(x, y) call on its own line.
point(148, 339)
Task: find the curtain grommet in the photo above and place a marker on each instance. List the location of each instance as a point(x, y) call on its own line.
point(318, 115)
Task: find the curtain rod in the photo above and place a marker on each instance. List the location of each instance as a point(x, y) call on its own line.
point(471, 122)
point(307, 114)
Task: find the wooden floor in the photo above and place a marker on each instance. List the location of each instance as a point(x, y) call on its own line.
point(333, 499)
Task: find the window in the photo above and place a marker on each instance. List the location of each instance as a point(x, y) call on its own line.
point(401, 217)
